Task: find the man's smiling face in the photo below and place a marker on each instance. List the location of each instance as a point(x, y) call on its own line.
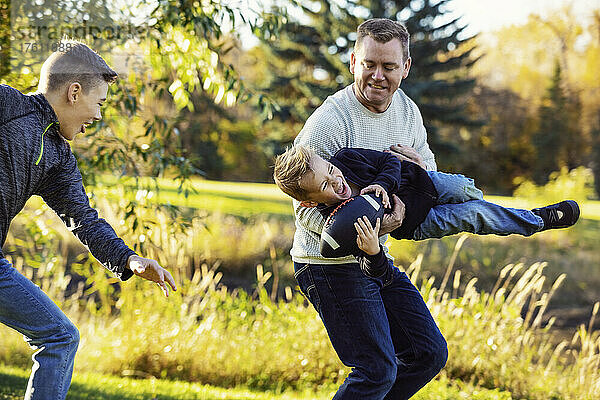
point(378, 69)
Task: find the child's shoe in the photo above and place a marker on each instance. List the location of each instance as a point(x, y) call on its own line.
point(559, 215)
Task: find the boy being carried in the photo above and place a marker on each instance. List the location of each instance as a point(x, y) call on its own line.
point(437, 204)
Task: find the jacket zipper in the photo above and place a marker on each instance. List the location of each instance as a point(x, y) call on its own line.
point(42, 148)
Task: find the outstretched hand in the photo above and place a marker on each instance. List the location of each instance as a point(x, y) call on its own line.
point(150, 270)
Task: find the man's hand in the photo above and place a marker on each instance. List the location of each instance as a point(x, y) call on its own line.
point(150, 270)
point(379, 192)
point(394, 219)
point(406, 153)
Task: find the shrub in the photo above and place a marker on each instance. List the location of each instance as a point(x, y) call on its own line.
point(576, 184)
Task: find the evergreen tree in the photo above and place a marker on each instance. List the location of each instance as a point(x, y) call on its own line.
point(501, 150)
point(309, 60)
point(547, 139)
point(558, 141)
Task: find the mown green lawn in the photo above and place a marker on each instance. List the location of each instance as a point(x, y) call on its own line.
point(91, 386)
point(234, 198)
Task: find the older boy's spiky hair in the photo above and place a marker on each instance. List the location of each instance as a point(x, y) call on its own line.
point(290, 168)
point(74, 61)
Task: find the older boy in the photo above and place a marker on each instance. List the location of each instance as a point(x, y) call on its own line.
point(35, 159)
point(437, 204)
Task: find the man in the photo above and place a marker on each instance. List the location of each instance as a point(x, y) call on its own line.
point(35, 159)
point(379, 327)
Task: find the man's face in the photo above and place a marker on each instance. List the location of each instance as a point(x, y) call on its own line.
point(325, 184)
point(378, 70)
point(82, 109)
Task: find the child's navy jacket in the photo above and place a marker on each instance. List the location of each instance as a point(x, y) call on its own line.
point(410, 182)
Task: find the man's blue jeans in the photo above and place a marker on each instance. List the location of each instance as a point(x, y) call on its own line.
point(461, 208)
point(27, 309)
point(382, 329)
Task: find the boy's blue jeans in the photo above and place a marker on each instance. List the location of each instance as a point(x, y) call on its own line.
point(461, 208)
point(27, 309)
point(382, 329)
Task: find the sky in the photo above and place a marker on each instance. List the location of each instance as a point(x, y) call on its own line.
point(490, 15)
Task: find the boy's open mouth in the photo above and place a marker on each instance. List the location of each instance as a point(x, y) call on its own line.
point(83, 126)
point(342, 188)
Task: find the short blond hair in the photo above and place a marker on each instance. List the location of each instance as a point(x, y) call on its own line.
point(290, 168)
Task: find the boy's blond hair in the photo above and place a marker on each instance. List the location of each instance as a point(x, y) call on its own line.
point(290, 168)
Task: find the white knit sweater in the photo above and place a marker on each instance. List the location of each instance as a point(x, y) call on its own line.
point(342, 121)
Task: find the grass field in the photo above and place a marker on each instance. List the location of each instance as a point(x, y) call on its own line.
point(90, 386)
point(570, 250)
point(234, 198)
point(246, 199)
point(228, 326)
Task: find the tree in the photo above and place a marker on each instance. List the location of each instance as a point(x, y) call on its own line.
point(558, 141)
point(595, 163)
point(594, 56)
point(501, 150)
point(4, 37)
point(34, 29)
point(548, 140)
point(166, 58)
point(309, 60)
point(523, 59)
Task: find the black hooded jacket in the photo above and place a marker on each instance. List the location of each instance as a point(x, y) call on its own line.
point(36, 160)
